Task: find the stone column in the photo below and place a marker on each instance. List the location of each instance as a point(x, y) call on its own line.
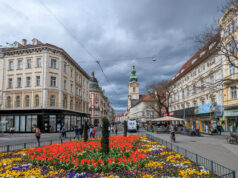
point(60, 79)
point(45, 79)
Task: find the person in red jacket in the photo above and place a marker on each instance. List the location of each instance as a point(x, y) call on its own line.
point(38, 134)
point(94, 131)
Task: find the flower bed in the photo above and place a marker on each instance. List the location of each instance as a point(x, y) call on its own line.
point(128, 157)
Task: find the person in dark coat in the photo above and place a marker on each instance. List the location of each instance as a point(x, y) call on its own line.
point(76, 130)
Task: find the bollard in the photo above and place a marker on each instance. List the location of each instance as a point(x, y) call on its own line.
point(211, 165)
point(24, 145)
point(177, 149)
point(233, 174)
point(51, 142)
point(196, 157)
point(8, 149)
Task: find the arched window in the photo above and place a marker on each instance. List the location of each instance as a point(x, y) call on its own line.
point(27, 101)
point(52, 101)
point(18, 101)
point(9, 102)
point(37, 100)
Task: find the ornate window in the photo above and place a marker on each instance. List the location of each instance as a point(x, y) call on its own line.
point(52, 101)
point(37, 100)
point(27, 101)
point(18, 101)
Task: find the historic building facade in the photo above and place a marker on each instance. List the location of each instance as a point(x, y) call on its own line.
point(197, 88)
point(229, 25)
point(99, 104)
point(41, 85)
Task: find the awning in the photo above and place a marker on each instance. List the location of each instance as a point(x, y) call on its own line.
point(167, 118)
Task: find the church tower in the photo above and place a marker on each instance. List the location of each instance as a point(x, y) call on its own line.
point(133, 88)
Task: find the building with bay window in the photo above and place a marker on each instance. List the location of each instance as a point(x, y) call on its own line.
point(99, 104)
point(41, 85)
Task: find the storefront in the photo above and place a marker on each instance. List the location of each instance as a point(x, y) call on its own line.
point(207, 116)
point(231, 120)
point(47, 120)
point(187, 114)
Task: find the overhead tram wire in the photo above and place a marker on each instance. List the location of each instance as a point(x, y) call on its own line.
point(76, 39)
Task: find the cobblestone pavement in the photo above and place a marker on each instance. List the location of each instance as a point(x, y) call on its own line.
point(213, 147)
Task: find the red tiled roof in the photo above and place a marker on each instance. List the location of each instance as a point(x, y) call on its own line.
point(146, 97)
point(197, 58)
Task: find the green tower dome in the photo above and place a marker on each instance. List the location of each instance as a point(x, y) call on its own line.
point(133, 77)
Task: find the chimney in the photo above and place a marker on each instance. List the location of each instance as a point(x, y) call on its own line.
point(24, 42)
point(36, 41)
point(16, 44)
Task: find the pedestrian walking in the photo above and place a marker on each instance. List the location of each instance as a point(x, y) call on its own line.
point(63, 132)
point(112, 129)
point(115, 129)
point(91, 131)
point(76, 130)
point(81, 131)
point(94, 131)
point(38, 134)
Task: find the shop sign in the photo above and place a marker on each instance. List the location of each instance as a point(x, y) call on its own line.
point(207, 108)
point(231, 112)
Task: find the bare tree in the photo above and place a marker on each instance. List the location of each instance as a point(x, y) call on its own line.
point(226, 35)
point(161, 93)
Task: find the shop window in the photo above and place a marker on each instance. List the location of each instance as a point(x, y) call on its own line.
point(52, 123)
point(3, 124)
point(37, 100)
point(52, 101)
point(28, 123)
point(18, 101)
point(34, 122)
point(16, 123)
point(9, 102)
point(27, 101)
point(9, 123)
point(22, 123)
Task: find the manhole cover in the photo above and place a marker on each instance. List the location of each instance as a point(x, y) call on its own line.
point(192, 141)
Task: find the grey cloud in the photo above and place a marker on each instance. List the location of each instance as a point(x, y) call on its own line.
point(115, 32)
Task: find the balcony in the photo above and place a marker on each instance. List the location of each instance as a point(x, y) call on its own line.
point(231, 78)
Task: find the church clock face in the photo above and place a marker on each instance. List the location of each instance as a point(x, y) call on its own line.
point(134, 84)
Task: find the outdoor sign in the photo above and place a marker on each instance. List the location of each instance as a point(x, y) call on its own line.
point(170, 114)
point(207, 108)
point(231, 112)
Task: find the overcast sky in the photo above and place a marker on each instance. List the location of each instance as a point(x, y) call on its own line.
point(114, 32)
